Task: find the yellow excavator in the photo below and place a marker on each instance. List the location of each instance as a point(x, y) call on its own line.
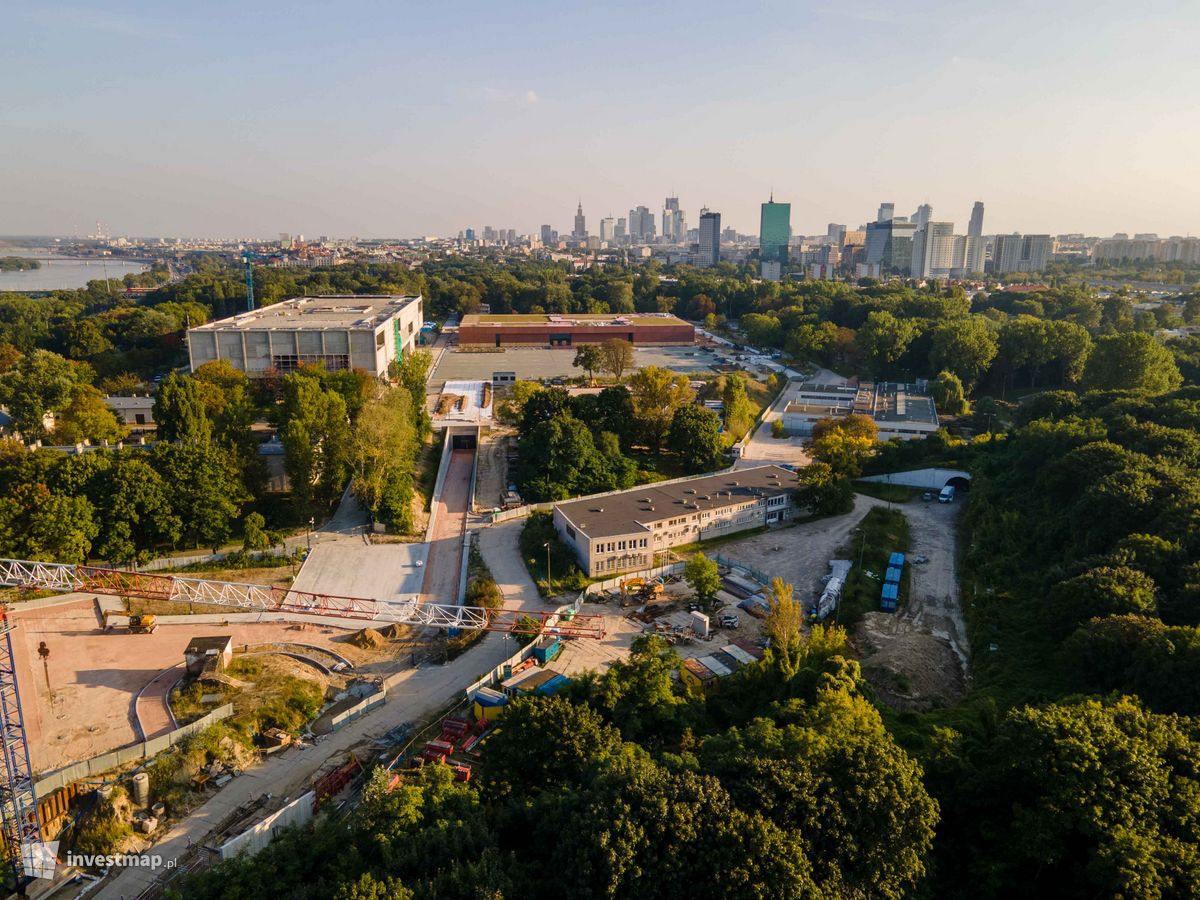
point(139, 623)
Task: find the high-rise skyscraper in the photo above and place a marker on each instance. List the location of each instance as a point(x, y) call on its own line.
point(975, 229)
point(887, 212)
point(547, 235)
point(774, 232)
point(641, 224)
point(470, 234)
point(621, 230)
point(889, 246)
point(933, 250)
point(922, 216)
point(710, 239)
point(674, 227)
point(835, 235)
point(607, 228)
point(580, 232)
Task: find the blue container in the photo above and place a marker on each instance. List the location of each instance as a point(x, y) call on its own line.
point(893, 576)
point(896, 559)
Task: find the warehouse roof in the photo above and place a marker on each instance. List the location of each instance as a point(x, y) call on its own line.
point(533, 320)
point(330, 311)
point(628, 512)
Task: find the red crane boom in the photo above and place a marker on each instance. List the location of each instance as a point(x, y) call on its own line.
point(20, 573)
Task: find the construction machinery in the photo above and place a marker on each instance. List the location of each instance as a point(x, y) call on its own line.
point(641, 589)
point(18, 801)
point(137, 623)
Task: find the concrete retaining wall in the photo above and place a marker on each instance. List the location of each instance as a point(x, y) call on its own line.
point(89, 768)
point(298, 812)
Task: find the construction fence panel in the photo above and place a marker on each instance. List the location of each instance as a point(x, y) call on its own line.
point(256, 837)
point(349, 715)
point(97, 765)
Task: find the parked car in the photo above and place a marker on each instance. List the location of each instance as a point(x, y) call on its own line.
point(927, 496)
point(729, 621)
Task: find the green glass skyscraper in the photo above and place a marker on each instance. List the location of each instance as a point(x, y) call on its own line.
point(774, 232)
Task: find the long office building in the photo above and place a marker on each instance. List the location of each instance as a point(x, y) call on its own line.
point(551, 330)
point(621, 532)
point(349, 331)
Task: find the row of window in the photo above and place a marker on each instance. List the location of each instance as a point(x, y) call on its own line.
point(614, 546)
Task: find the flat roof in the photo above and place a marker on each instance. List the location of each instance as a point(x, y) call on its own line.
point(328, 311)
point(591, 320)
point(632, 511)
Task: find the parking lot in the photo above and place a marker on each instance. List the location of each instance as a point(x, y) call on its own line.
point(535, 363)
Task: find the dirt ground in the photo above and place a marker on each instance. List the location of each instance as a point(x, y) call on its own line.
point(491, 469)
point(918, 658)
point(95, 675)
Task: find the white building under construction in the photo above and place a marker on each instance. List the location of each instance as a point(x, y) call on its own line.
point(349, 331)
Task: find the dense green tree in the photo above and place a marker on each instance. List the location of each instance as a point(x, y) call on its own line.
point(588, 358)
point(205, 490)
point(965, 347)
point(1099, 800)
point(695, 438)
point(135, 512)
point(179, 413)
point(85, 417)
point(883, 339)
point(1131, 361)
point(316, 441)
point(546, 744)
point(38, 383)
point(702, 576)
point(383, 447)
point(657, 394)
point(1102, 592)
point(617, 355)
point(830, 772)
point(948, 394)
point(36, 524)
point(739, 411)
point(822, 491)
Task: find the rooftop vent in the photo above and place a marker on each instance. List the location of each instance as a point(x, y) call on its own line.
point(689, 490)
point(597, 509)
point(731, 484)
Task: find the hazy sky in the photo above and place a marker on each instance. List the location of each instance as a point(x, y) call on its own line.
point(402, 119)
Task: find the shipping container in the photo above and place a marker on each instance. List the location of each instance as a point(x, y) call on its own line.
point(896, 559)
point(893, 575)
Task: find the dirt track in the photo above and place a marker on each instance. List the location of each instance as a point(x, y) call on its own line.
point(918, 658)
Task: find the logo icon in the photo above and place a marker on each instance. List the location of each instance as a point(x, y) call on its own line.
point(39, 858)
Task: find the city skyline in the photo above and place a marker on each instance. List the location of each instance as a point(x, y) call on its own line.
point(224, 120)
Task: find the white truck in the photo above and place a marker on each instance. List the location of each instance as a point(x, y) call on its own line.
point(947, 494)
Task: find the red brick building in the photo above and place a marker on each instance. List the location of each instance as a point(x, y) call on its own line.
point(569, 330)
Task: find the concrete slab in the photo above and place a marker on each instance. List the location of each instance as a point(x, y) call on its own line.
point(371, 571)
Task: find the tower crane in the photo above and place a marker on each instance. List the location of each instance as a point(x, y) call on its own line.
point(248, 258)
point(18, 799)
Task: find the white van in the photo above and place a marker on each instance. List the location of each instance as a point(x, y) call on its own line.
point(947, 494)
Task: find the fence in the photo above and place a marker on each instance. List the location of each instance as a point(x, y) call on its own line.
point(256, 837)
point(439, 483)
point(721, 560)
point(179, 562)
point(615, 582)
point(358, 709)
point(97, 765)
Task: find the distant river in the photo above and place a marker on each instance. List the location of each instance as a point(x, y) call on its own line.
point(62, 272)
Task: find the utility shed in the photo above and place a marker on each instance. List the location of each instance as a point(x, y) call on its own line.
point(696, 674)
point(200, 650)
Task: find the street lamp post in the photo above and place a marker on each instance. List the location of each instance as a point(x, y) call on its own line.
point(549, 582)
point(308, 532)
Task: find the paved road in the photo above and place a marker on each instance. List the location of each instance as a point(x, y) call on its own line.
point(444, 562)
point(419, 693)
point(764, 448)
point(501, 550)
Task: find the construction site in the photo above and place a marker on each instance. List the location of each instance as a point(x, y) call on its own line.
point(145, 697)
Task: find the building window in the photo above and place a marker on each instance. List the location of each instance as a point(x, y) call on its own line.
point(570, 532)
